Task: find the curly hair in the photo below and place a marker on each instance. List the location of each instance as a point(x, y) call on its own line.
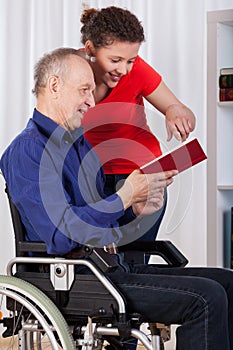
point(108, 24)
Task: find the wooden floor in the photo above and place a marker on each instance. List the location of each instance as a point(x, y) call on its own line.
point(170, 345)
point(4, 345)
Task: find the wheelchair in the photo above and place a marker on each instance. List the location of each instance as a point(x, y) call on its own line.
point(45, 304)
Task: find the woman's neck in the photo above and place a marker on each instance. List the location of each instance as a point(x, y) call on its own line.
point(101, 92)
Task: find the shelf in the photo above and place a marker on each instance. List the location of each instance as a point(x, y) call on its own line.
point(226, 104)
point(225, 187)
point(219, 136)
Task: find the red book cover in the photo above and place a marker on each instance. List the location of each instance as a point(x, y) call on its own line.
point(226, 94)
point(183, 157)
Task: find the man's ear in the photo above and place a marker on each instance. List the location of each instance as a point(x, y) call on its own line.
point(53, 84)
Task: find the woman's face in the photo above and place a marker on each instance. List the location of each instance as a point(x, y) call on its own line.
point(113, 61)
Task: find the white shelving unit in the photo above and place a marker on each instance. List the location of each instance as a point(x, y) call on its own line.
point(219, 139)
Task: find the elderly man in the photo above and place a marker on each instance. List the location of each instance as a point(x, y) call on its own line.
point(56, 182)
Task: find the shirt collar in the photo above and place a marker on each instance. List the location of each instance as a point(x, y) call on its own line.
point(55, 132)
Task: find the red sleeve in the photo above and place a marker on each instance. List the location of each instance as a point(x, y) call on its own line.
point(146, 76)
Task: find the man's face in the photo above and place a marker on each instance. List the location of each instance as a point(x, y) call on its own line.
point(75, 93)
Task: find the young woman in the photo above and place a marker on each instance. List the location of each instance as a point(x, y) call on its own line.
point(117, 127)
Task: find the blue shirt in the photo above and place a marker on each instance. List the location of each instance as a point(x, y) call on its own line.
point(56, 181)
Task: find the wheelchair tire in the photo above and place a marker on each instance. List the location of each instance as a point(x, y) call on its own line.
point(29, 319)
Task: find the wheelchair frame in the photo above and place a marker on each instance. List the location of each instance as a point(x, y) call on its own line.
point(98, 327)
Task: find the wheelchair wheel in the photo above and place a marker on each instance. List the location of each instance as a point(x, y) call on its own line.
point(29, 320)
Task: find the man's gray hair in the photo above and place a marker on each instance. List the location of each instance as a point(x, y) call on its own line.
point(52, 63)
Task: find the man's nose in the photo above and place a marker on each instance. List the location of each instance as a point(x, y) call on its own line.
point(90, 100)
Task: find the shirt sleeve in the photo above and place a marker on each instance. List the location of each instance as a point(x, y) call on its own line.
point(145, 76)
point(46, 208)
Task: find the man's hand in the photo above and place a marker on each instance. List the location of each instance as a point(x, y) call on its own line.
point(145, 188)
point(150, 206)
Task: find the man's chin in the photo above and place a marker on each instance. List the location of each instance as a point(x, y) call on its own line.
point(75, 122)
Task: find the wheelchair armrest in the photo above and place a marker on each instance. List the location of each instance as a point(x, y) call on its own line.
point(137, 250)
point(103, 260)
point(99, 256)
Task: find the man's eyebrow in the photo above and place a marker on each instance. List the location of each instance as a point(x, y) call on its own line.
point(87, 86)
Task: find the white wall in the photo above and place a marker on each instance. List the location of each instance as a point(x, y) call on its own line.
point(175, 46)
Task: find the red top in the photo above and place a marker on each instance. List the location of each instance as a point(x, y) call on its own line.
point(117, 127)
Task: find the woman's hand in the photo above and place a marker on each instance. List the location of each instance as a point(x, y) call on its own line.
point(180, 121)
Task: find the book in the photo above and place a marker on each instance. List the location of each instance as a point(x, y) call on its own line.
point(181, 158)
point(226, 94)
point(227, 70)
point(226, 81)
point(227, 237)
point(232, 238)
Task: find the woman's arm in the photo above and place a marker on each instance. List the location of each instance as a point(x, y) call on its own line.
point(180, 120)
